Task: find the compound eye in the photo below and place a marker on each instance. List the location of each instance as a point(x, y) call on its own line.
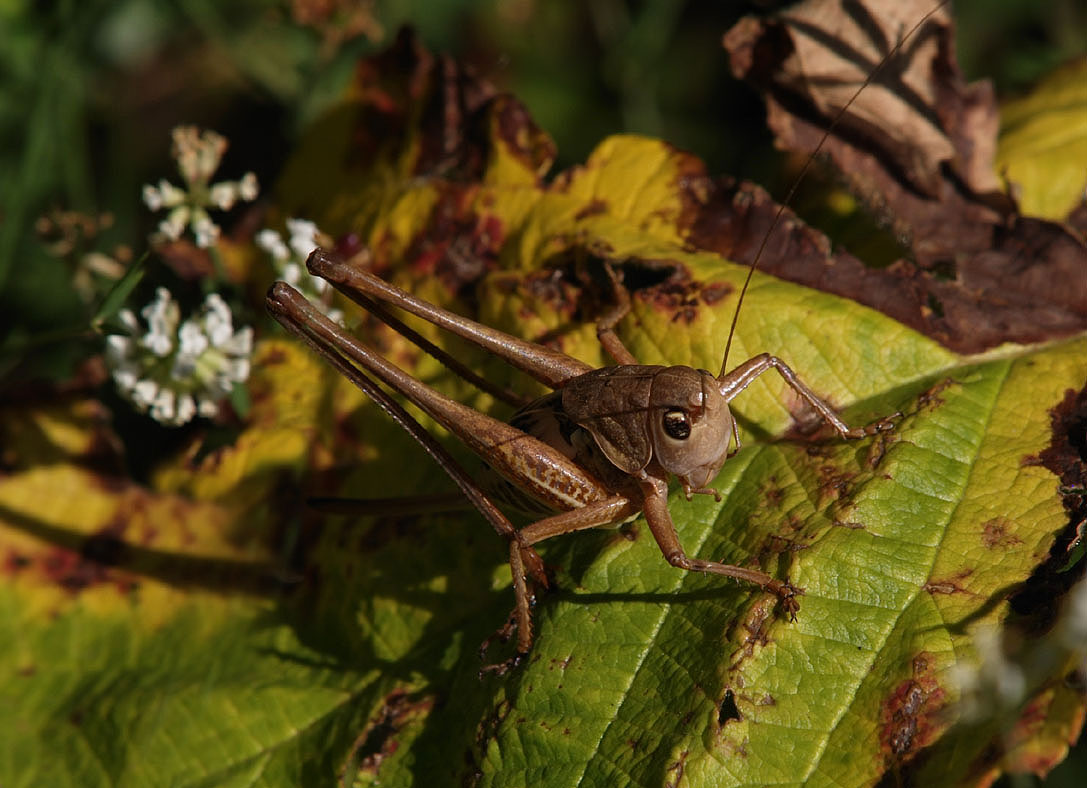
point(676, 424)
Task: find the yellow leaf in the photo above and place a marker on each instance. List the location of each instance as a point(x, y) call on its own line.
point(1043, 143)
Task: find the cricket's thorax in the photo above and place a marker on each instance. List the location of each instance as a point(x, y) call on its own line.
point(637, 414)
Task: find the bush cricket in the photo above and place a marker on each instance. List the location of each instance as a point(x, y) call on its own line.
point(599, 450)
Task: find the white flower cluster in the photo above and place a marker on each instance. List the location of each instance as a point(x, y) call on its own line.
point(289, 262)
point(175, 371)
point(198, 156)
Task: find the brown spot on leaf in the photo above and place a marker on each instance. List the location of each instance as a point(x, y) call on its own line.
point(488, 726)
point(576, 283)
point(679, 298)
point(909, 717)
point(595, 207)
point(402, 80)
point(834, 483)
point(378, 739)
point(998, 532)
point(754, 627)
point(930, 399)
point(949, 585)
point(714, 292)
point(561, 664)
point(793, 522)
point(553, 289)
point(273, 357)
point(772, 494)
point(776, 544)
point(854, 526)
point(677, 769)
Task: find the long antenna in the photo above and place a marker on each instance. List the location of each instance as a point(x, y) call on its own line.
point(807, 166)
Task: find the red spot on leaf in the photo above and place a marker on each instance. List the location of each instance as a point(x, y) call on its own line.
point(909, 718)
point(71, 571)
point(15, 562)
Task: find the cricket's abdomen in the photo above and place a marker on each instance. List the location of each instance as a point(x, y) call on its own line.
point(545, 420)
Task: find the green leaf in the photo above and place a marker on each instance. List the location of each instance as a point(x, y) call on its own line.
point(148, 641)
point(903, 544)
point(117, 296)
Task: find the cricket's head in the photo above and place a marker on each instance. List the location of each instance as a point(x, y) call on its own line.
point(690, 424)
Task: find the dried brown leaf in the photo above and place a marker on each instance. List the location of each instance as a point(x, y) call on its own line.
point(917, 145)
